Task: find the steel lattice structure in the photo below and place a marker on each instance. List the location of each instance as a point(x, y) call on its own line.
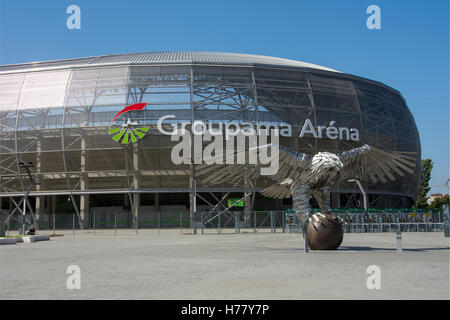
point(56, 115)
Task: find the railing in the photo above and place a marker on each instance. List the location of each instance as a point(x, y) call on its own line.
point(387, 220)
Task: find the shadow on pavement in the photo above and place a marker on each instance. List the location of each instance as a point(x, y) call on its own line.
point(357, 248)
point(352, 248)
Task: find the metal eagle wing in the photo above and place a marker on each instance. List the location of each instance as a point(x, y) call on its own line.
point(370, 163)
point(279, 190)
point(291, 164)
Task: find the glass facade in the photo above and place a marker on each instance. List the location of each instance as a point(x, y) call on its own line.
point(58, 119)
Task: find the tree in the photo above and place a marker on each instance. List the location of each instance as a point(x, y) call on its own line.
point(421, 202)
point(439, 202)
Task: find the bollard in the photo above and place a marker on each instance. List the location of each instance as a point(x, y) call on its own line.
point(73, 224)
point(2, 227)
point(202, 220)
point(399, 239)
point(159, 222)
point(272, 228)
point(181, 227)
point(115, 223)
point(305, 238)
point(54, 223)
point(445, 220)
point(236, 222)
point(94, 223)
point(194, 222)
point(254, 222)
point(23, 217)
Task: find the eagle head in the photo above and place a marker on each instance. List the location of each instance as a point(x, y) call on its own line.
point(326, 164)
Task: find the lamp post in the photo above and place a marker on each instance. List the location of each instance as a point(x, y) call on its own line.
point(366, 203)
point(364, 193)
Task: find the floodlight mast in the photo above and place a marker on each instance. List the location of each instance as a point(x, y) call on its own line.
point(364, 193)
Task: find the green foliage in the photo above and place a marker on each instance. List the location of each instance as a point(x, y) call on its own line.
point(421, 202)
point(438, 203)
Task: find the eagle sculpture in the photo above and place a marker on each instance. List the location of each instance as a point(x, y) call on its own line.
point(301, 175)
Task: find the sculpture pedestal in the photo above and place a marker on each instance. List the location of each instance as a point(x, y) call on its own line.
point(324, 232)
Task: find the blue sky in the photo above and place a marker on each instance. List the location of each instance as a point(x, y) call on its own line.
point(409, 53)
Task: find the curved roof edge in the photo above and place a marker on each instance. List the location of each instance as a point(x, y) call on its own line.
point(167, 57)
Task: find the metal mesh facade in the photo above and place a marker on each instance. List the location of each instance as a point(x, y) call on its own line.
point(57, 115)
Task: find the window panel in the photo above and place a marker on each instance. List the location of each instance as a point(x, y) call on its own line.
point(44, 89)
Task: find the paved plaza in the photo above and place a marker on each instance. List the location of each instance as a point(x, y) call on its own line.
point(225, 266)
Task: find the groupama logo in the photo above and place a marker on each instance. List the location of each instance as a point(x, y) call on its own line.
point(129, 131)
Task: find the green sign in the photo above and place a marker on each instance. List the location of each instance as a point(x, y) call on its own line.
point(235, 202)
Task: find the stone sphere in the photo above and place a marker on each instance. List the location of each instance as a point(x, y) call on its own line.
point(324, 232)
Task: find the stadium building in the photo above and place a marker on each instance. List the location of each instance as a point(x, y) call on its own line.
point(60, 116)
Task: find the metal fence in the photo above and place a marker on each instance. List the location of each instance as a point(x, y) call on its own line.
point(112, 222)
point(240, 221)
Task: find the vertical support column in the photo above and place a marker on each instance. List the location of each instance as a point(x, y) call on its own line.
point(156, 202)
point(335, 200)
point(136, 185)
point(192, 205)
point(53, 210)
point(157, 186)
point(38, 211)
point(248, 200)
point(2, 217)
point(126, 206)
point(84, 198)
point(39, 200)
point(84, 206)
point(314, 108)
point(136, 205)
point(247, 209)
point(8, 217)
point(192, 180)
